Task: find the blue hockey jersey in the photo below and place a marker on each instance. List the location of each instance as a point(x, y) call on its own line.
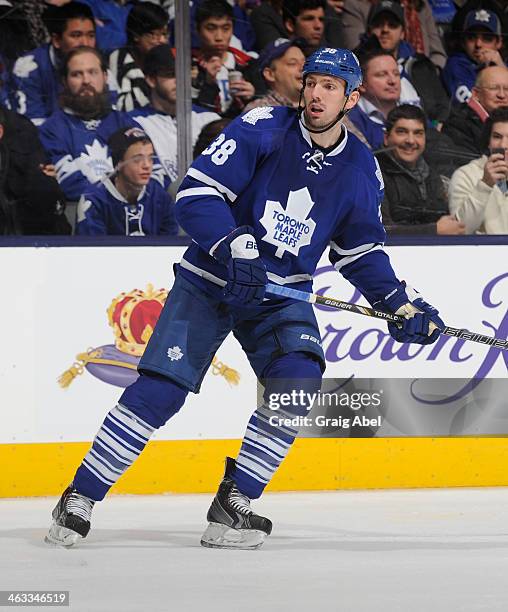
point(459, 76)
point(162, 130)
point(78, 149)
point(37, 83)
point(105, 211)
point(264, 171)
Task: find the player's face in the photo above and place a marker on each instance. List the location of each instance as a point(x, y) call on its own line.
point(137, 164)
point(492, 89)
point(85, 76)
point(408, 139)
point(77, 33)
point(324, 98)
point(285, 73)
point(310, 25)
point(166, 88)
point(215, 34)
point(478, 40)
point(389, 32)
point(499, 136)
point(382, 80)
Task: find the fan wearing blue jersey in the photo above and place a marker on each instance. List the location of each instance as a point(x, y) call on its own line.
point(129, 203)
point(263, 202)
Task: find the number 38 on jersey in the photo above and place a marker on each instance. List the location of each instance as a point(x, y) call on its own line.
point(220, 149)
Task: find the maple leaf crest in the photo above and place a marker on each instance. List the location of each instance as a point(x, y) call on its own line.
point(24, 66)
point(254, 115)
point(289, 229)
point(95, 162)
point(482, 15)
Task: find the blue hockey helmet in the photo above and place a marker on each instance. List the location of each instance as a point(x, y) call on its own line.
point(340, 63)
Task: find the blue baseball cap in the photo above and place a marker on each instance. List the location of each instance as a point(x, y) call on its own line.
point(276, 49)
point(481, 18)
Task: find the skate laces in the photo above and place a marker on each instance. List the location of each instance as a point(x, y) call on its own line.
point(79, 505)
point(239, 502)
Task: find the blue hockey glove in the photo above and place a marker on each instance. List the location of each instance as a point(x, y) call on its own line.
point(247, 278)
point(422, 324)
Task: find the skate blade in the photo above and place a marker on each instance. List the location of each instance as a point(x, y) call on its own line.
point(62, 536)
point(221, 536)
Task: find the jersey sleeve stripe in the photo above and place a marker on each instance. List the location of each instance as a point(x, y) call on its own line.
point(346, 252)
point(198, 191)
point(285, 280)
point(207, 180)
point(347, 260)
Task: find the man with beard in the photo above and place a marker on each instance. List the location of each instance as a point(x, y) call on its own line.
point(414, 200)
point(75, 136)
point(36, 74)
point(158, 119)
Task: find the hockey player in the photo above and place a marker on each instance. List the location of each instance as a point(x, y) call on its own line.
point(130, 203)
point(263, 201)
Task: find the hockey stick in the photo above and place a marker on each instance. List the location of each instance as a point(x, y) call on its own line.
point(322, 300)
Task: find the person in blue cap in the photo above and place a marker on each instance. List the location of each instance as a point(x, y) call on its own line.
point(481, 46)
point(262, 203)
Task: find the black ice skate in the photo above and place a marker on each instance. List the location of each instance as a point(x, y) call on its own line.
point(71, 518)
point(232, 524)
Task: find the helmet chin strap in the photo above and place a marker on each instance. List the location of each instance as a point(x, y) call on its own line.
point(301, 109)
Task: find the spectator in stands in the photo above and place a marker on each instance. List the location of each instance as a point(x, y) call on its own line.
point(158, 119)
point(75, 136)
point(414, 200)
point(421, 29)
point(268, 21)
point(130, 203)
point(208, 134)
point(465, 124)
point(481, 45)
point(478, 193)
point(306, 19)
point(281, 64)
point(147, 27)
point(31, 202)
point(386, 30)
point(217, 64)
point(37, 73)
point(381, 92)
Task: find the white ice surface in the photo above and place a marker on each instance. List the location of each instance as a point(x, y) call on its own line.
point(408, 550)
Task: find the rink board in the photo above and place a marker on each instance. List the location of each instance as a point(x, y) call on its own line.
point(54, 308)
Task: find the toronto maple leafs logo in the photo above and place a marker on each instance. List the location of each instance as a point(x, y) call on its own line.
point(315, 161)
point(95, 162)
point(290, 229)
point(24, 66)
point(256, 114)
point(83, 206)
point(175, 353)
point(482, 15)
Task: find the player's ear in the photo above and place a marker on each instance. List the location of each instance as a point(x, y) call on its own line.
point(151, 81)
point(290, 26)
point(56, 41)
point(354, 96)
point(385, 139)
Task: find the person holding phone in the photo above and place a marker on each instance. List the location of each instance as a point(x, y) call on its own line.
point(478, 194)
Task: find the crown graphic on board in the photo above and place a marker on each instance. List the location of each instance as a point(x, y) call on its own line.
point(133, 317)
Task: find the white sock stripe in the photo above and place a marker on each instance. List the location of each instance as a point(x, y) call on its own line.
point(250, 473)
point(124, 454)
point(121, 441)
point(129, 412)
point(136, 423)
point(126, 427)
point(101, 468)
point(262, 472)
point(278, 443)
point(266, 465)
point(101, 459)
point(102, 444)
point(97, 474)
point(263, 449)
